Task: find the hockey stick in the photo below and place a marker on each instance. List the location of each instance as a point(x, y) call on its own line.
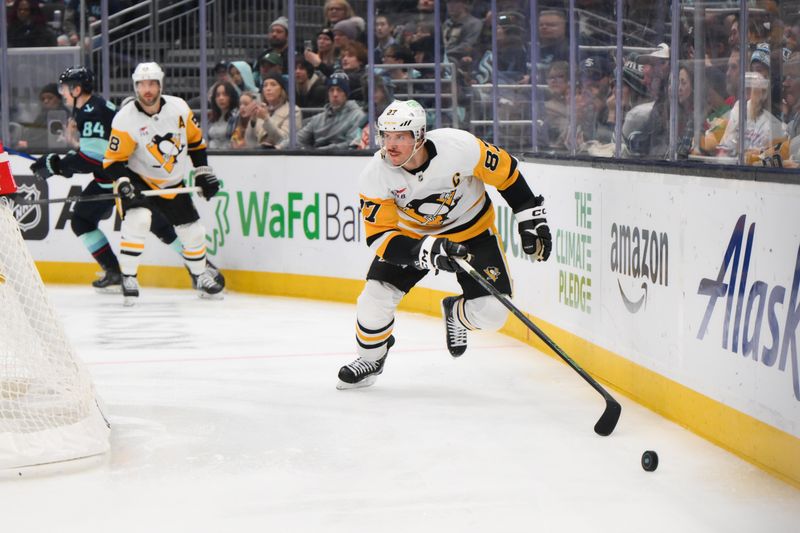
point(610, 417)
point(18, 153)
point(109, 196)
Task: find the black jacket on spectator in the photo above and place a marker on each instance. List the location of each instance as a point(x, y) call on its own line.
point(31, 31)
point(317, 95)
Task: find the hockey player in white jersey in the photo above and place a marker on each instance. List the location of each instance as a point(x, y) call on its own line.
point(154, 142)
point(423, 202)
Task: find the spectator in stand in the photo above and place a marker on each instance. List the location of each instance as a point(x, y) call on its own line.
point(460, 31)
point(397, 54)
point(336, 11)
point(269, 62)
point(556, 113)
point(732, 76)
point(512, 66)
point(633, 89)
point(411, 21)
point(245, 134)
point(422, 46)
point(242, 76)
point(224, 110)
point(344, 33)
point(325, 57)
point(553, 38)
point(791, 34)
point(759, 60)
point(274, 112)
point(51, 108)
point(72, 8)
point(338, 124)
point(27, 26)
point(278, 41)
point(791, 97)
point(653, 136)
point(384, 95)
point(762, 129)
point(384, 36)
point(718, 108)
point(221, 73)
point(354, 58)
point(685, 134)
point(311, 90)
point(596, 73)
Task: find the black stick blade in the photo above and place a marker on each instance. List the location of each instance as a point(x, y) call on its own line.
point(608, 421)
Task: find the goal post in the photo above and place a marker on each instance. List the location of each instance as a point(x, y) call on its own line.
point(48, 407)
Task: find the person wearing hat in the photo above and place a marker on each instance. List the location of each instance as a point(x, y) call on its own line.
point(656, 70)
point(310, 86)
point(345, 32)
point(269, 62)
point(650, 133)
point(591, 102)
point(241, 76)
point(278, 41)
point(35, 134)
point(274, 112)
point(326, 55)
point(339, 122)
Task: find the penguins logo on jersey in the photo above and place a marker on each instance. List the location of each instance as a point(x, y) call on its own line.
point(493, 273)
point(433, 209)
point(165, 149)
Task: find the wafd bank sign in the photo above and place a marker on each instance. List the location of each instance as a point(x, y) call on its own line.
point(288, 214)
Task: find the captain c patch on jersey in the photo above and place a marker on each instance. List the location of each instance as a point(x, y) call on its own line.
point(165, 149)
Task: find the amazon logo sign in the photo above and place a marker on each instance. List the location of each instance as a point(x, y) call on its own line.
point(640, 258)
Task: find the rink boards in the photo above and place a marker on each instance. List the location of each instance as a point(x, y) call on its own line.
point(682, 292)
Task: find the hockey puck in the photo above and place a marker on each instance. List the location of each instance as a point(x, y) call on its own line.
point(649, 460)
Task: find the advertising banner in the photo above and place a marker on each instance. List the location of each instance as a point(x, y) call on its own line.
point(696, 279)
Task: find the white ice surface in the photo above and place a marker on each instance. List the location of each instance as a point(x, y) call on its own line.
point(226, 419)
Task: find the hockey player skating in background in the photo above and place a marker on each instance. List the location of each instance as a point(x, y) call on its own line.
point(154, 142)
point(423, 202)
point(93, 116)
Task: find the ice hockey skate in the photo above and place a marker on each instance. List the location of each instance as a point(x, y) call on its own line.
point(455, 333)
point(108, 283)
point(130, 290)
point(209, 285)
point(211, 269)
point(361, 372)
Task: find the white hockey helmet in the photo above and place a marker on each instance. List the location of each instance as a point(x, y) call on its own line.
point(404, 115)
point(148, 71)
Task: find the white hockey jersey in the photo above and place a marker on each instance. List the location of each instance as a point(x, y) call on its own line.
point(447, 198)
point(155, 147)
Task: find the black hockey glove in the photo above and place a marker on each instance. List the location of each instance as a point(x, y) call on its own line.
point(205, 179)
point(46, 166)
point(127, 193)
point(437, 253)
point(534, 231)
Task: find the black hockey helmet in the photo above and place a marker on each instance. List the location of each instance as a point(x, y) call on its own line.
point(80, 76)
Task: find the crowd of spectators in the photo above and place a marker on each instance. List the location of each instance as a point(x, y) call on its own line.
point(249, 104)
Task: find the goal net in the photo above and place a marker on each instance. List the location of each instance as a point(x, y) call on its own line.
point(48, 409)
